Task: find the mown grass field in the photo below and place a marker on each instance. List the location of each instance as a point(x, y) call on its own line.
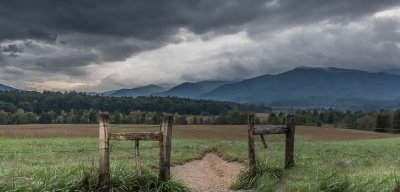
point(327, 159)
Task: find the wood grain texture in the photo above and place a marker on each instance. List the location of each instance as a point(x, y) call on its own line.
point(265, 131)
point(152, 136)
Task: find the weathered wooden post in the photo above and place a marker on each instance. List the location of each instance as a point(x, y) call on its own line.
point(165, 146)
point(252, 155)
point(104, 170)
point(137, 159)
point(289, 146)
point(263, 141)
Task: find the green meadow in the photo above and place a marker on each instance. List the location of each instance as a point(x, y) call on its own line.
point(70, 164)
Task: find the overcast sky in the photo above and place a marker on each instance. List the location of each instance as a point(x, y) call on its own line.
point(96, 45)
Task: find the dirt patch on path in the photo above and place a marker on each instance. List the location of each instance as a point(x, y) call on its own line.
point(211, 174)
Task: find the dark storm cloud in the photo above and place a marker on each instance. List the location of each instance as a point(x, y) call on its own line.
point(109, 27)
point(66, 36)
point(158, 20)
point(140, 19)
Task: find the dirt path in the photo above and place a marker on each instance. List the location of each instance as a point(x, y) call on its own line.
point(211, 174)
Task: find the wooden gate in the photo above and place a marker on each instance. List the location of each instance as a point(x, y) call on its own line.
point(289, 130)
point(163, 137)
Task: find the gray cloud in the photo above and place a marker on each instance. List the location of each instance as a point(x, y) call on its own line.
point(67, 37)
point(11, 49)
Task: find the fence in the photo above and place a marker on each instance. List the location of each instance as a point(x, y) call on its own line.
point(163, 137)
point(289, 130)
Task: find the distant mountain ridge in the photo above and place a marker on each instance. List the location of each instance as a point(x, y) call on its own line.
point(300, 87)
point(138, 91)
point(6, 88)
point(192, 90)
point(395, 71)
point(311, 86)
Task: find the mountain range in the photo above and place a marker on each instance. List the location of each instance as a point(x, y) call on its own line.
point(312, 87)
point(302, 87)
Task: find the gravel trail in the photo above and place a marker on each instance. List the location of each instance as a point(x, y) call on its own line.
point(210, 174)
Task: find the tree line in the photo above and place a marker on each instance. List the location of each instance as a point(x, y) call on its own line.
point(90, 116)
point(380, 121)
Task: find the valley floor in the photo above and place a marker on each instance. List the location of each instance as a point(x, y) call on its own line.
point(346, 160)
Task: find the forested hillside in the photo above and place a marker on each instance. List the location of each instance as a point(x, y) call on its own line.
point(18, 107)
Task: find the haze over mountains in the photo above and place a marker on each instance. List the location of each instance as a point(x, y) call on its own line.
point(300, 87)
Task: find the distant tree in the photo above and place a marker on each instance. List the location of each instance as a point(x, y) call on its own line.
point(281, 118)
point(319, 123)
point(27, 106)
point(396, 120)
point(31, 117)
point(46, 117)
point(4, 117)
point(181, 120)
point(348, 122)
point(382, 121)
point(155, 119)
point(73, 116)
point(201, 120)
point(136, 117)
point(8, 107)
point(256, 121)
point(85, 116)
point(272, 119)
point(93, 114)
point(116, 117)
point(321, 118)
point(195, 120)
point(19, 117)
point(366, 122)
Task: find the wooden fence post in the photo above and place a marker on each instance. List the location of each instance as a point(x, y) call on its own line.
point(289, 147)
point(165, 146)
point(252, 155)
point(137, 159)
point(104, 170)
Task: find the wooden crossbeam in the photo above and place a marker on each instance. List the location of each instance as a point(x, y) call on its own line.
point(275, 130)
point(152, 136)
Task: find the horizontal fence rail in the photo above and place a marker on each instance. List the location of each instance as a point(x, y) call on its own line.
point(153, 136)
point(264, 131)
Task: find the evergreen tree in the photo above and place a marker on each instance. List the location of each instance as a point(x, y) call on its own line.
point(396, 121)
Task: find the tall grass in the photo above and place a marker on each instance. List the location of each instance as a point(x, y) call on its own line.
point(32, 165)
point(369, 165)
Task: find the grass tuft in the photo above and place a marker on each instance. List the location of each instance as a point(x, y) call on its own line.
point(334, 182)
point(265, 179)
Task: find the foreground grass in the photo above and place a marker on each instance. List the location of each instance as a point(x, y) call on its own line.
point(369, 165)
point(70, 164)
